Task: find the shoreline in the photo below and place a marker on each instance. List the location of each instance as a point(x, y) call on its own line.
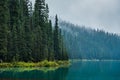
point(44, 63)
point(92, 60)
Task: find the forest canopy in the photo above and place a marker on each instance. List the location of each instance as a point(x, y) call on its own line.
point(27, 34)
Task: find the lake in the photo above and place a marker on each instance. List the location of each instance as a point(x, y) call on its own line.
point(79, 70)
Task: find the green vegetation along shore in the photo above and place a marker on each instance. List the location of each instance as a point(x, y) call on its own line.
point(44, 63)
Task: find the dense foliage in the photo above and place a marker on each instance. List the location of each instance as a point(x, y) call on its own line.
point(85, 43)
point(27, 34)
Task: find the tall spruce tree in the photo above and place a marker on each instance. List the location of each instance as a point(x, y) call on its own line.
point(56, 40)
point(50, 42)
point(59, 47)
point(14, 46)
point(26, 42)
point(37, 48)
point(64, 54)
point(37, 35)
point(40, 20)
point(14, 28)
point(3, 29)
point(22, 48)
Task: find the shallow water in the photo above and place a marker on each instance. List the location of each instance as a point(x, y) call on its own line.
point(79, 70)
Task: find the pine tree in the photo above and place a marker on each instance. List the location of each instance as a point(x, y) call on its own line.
point(37, 48)
point(3, 30)
point(50, 42)
point(14, 28)
point(25, 35)
point(14, 46)
point(14, 12)
point(56, 40)
point(46, 31)
point(64, 54)
point(59, 49)
point(40, 20)
point(37, 35)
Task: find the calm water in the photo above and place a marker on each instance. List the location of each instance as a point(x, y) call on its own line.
point(87, 70)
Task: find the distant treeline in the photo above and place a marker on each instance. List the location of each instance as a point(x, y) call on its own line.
point(26, 34)
point(86, 43)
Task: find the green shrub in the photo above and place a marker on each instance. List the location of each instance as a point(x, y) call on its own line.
point(44, 63)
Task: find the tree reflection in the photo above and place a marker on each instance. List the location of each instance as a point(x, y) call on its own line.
point(57, 74)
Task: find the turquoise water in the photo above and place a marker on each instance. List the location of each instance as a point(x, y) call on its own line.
point(79, 70)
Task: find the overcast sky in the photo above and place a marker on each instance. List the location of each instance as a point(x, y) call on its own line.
point(102, 14)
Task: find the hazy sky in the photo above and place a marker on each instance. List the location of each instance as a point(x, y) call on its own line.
point(102, 14)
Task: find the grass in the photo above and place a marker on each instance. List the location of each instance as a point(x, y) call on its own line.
point(44, 63)
point(27, 69)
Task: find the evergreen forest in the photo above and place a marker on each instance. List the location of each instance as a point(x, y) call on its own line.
point(90, 44)
point(27, 34)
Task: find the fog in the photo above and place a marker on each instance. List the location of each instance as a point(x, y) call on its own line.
point(102, 14)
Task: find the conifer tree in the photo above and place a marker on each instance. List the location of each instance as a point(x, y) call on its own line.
point(14, 28)
point(26, 38)
point(50, 42)
point(40, 20)
point(37, 48)
point(3, 30)
point(56, 40)
point(64, 54)
point(37, 35)
point(59, 49)
point(14, 46)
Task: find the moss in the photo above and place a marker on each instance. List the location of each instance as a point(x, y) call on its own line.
point(44, 63)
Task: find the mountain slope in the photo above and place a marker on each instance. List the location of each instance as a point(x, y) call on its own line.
point(85, 43)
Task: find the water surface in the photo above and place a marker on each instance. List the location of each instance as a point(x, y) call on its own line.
point(79, 70)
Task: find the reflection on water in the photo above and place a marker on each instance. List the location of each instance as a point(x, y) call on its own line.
point(35, 74)
point(86, 70)
point(94, 70)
